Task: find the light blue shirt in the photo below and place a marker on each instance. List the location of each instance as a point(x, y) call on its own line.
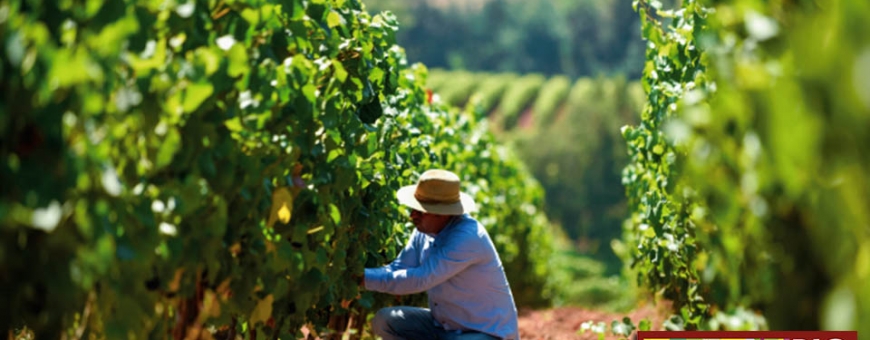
point(463, 275)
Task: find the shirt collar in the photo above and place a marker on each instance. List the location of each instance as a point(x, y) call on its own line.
point(450, 224)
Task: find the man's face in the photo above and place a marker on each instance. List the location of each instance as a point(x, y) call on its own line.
point(428, 223)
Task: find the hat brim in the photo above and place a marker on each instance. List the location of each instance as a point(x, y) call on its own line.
point(465, 205)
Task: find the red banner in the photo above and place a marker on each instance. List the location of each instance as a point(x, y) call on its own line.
point(742, 335)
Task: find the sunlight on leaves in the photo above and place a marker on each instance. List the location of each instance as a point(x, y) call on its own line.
point(47, 218)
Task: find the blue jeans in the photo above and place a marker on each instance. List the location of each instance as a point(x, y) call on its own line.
point(394, 323)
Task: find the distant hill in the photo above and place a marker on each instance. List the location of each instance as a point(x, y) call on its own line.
point(575, 38)
point(520, 101)
point(459, 4)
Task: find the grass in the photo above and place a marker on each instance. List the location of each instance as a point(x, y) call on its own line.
point(580, 280)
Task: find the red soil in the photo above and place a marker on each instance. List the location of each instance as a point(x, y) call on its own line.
point(563, 323)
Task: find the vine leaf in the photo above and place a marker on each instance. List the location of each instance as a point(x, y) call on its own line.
point(263, 310)
point(333, 19)
point(211, 305)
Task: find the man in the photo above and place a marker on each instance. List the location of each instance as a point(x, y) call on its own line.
point(450, 256)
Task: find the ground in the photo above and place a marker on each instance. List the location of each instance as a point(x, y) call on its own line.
point(563, 323)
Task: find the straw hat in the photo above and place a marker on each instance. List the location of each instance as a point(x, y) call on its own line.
point(436, 192)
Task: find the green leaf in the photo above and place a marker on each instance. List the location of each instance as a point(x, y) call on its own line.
point(238, 58)
point(297, 10)
point(339, 70)
point(194, 95)
point(208, 59)
point(72, 67)
point(333, 19)
point(366, 300)
point(644, 325)
point(234, 124)
point(650, 233)
point(321, 257)
point(335, 214)
point(310, 92)
point(674, 323)
point(377, 76)
point(252, 16)
point(168, 148)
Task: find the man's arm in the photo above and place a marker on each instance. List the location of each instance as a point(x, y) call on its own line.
point(444, 262)
point(409, 256)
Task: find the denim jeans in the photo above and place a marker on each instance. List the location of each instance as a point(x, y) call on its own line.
point(413, 323)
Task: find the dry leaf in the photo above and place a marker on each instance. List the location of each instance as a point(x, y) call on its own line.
point(263, 310)
point(282, 207)
point(176, 281)
point(210, 304)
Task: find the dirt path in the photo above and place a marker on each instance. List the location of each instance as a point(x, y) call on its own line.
point(563, 323)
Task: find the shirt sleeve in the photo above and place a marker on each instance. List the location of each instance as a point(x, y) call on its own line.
point(410, 256)
point(458, 253)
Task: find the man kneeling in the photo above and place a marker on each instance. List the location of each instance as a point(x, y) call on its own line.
point(451, 256)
